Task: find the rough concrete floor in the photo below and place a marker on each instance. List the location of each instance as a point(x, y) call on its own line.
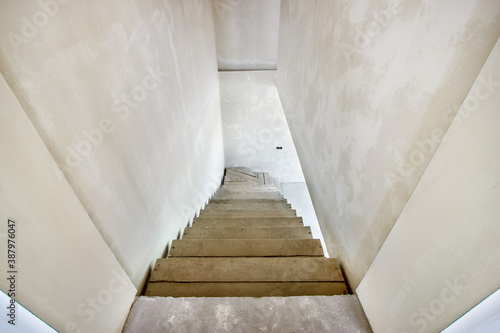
point(316, 314)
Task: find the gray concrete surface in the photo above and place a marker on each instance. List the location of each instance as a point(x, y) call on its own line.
point(329, 314)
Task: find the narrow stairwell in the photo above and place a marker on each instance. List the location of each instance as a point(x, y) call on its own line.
point(247, 243)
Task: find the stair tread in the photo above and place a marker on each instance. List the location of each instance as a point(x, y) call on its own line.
point(249, 213)
point(286, 269)
point(243, 183)
point(233, 178)
point(243, 176)
point(243, 170)
point(248, 221)
point(225, 232)
point(235, 186)
point(318, 314)
point(245, 248)
point(247, 204)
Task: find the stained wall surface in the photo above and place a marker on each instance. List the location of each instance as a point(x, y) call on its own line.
point(441, 258)
point(369, 89)
point(124, 97)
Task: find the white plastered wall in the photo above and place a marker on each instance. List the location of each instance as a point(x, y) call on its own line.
point(65, 272)
point(125, 96)
point(369, 89)
point(441, 258)
point(254, 125)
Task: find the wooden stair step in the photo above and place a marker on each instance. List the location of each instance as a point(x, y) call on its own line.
point(246, 248)
point(249, 221)
point(246, 232)
point(286, 269)
point(249, 213)
point(245, 289)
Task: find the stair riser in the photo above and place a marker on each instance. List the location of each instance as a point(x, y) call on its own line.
point(245, 289)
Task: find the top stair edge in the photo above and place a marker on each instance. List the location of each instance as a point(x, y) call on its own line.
point(243, 170)
point(244, 178)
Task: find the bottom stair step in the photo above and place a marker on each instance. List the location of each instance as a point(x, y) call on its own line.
point(319, 314)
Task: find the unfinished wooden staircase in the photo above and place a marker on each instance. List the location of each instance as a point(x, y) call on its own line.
point(247, 241)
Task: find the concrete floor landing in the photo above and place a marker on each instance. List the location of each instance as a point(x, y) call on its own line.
point(318, 314)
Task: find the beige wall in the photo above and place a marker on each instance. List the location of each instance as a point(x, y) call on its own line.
point(66, 273)
point(441, 258)
point(124, 95)
point(369, 89)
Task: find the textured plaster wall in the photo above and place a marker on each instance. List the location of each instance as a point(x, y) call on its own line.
point(369, 89)
point(66, 273)
point(441, 258)
point(254, 125)
point(246, 33)
point(124, 95)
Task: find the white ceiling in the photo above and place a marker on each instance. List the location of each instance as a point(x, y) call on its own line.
point(246, 34)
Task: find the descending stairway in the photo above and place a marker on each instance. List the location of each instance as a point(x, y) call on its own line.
point(247, 241)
